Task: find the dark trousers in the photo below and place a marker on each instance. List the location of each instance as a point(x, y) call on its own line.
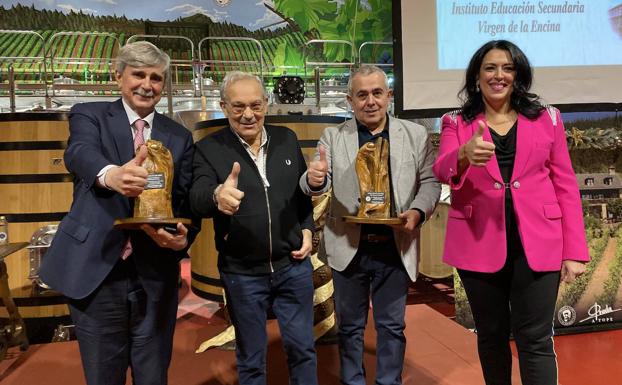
point(289, 292)
point(119, 326)
point(376, 269)
point(522, 301)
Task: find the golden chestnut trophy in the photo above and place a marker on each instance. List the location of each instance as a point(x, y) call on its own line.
point(372, 170)
point(153, 206)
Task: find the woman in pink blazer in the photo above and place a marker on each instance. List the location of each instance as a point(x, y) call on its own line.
point(515, 224)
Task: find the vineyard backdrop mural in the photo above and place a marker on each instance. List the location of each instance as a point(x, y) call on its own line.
point(281, 26)
point(596, 150)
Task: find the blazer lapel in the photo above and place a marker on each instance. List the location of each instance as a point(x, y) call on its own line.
point(121, 132)
point(396, 147)
point(524, 144)
point(159, 131)
point(351, 139)
point(351, 144)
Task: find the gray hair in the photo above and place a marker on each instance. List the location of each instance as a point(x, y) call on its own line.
point(141, 54)
point(366, 70)
point(235, 76)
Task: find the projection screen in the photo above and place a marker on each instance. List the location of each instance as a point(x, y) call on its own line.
point(575, 48)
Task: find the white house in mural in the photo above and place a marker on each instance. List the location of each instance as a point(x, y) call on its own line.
point(597, 188)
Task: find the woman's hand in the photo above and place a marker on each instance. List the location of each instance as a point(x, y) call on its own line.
point(571, 270)
point(476, 151)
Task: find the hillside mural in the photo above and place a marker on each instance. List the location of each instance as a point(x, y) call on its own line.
point(282, 27)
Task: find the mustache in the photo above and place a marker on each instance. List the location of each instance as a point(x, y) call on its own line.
point(143, 93)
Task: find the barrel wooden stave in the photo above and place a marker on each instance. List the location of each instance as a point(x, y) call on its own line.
point(34, 186)
point(21, 198)
point(32, 162)
point(432, 241)
point(34, 131)
point(205, 279)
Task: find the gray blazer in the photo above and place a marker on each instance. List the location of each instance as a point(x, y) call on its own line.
point(413, 184)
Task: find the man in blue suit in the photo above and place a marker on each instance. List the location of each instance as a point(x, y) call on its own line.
point(121, 285)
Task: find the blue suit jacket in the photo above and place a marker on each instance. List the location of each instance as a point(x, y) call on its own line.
point(86, 246)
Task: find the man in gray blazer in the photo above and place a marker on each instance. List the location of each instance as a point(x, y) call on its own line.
point(376, 260)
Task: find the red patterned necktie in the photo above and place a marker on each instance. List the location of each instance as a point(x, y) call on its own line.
point(139, 137)
point(139, 140)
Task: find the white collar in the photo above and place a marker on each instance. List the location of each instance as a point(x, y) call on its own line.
point(132, 116)
point(264, 137)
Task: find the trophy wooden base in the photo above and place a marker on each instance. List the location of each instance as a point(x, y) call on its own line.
point(135, 223)
point(373, 221)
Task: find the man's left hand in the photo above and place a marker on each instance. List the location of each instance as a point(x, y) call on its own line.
point(167, 240)
point(307, 244)
point(411, 220)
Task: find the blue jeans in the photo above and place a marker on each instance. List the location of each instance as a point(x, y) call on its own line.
point(289, 292)
point(376, 268)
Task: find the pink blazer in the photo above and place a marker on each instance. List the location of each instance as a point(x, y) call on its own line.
point(544, 191)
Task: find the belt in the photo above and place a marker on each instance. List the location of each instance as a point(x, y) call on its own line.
point(376, 238)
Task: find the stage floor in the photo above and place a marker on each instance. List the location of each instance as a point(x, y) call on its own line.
point(438, 351)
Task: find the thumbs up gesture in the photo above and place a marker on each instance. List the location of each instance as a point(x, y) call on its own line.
point(131, 178)
point(477, 151)
point(227, 196)
point(317, 170)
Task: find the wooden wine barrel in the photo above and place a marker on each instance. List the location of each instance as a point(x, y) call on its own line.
point(205, 280)
point(36, 190)
point(432, 241)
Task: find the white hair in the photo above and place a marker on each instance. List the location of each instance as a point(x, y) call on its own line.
point(366, 70)
point(235, 76)
point(141, 54)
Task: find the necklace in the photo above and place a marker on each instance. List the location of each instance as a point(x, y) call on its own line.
point(505, 118)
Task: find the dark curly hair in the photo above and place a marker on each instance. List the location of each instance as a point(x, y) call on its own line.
point(521, 100)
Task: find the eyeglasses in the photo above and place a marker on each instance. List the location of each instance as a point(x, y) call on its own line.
point(239, 109)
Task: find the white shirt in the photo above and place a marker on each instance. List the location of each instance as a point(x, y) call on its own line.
point(260, 158)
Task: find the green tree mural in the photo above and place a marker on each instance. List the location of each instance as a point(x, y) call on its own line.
point(356, 21)
point(286, 55)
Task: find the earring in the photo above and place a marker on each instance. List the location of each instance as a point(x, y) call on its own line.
point(477, 88)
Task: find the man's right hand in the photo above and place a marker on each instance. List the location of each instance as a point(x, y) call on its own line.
point(477, 151)
point(227, 195)
point(131, 178)
point(317, 170)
